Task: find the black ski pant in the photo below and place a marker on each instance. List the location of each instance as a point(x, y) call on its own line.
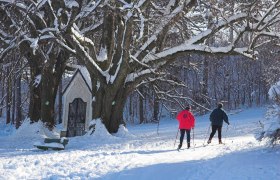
point(188, 132)
point(214, 129)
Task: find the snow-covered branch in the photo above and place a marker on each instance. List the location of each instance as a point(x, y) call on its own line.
point(169, 19)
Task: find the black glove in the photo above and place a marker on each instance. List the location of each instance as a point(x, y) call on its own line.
point(228, 123)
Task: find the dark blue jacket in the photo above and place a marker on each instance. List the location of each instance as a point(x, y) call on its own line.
point(217, 117)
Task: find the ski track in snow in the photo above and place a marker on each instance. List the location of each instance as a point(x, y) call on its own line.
point(148, 155)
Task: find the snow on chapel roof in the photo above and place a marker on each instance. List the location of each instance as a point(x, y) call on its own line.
point(85, 76)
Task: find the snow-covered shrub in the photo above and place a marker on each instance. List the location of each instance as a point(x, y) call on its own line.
point(28, 133)
point(98, 129)
point(123, 132)
point(271, 127)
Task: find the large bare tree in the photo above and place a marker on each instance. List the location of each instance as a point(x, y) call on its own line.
point(25, 29)
point(125, 42)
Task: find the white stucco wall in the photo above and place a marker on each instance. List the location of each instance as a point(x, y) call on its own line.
point(77, 89)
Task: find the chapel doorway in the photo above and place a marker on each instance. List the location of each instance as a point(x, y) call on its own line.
point(76, 118)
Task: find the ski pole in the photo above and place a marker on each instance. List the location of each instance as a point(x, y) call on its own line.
point(176, 137)
point(225, 136)
point(193, 137)
point(159, 119)
point(206, 134)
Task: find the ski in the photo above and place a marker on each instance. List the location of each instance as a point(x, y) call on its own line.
point(181, 149)
point(200, 146)
point(205, 145)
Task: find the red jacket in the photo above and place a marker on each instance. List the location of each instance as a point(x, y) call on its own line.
point(186, 120)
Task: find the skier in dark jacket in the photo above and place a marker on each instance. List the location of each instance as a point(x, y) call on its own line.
point(217, 117)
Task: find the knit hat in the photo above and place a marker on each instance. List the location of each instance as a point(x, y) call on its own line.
point(188, 107)
point(220, 105)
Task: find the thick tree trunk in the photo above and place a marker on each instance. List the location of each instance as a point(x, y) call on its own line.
point(50, 82)
point(109, 106)
point(117, 112)
point(42, 96)
point(34, 112)
point(49, 89)
point(48, 98)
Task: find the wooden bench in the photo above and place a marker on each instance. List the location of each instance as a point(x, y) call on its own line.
point(52, 143)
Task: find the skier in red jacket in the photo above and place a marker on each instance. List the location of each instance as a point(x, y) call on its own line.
point(186, 123)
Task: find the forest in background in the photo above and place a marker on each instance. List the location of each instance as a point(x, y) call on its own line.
point(236, 81)
point(142, 56)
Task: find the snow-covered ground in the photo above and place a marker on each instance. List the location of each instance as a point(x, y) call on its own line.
point(141, 153)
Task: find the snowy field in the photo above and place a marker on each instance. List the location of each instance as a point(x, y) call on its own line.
point(140, 153)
